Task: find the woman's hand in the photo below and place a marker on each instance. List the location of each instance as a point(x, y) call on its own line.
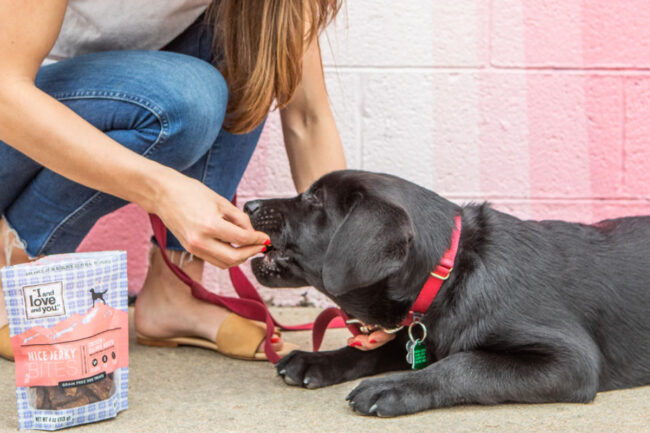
point(206, 224)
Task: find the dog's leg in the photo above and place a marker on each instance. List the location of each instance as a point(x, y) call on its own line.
point(319, 369)
point(482, 377)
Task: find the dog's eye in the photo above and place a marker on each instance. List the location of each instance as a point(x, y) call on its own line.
point(312, 199)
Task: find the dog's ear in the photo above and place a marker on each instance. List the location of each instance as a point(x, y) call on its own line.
point(371, 243)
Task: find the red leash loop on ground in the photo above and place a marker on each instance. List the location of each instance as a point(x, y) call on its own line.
point(325, 319)
point(249, 304)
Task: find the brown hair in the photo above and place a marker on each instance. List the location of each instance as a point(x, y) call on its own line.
point(259, 45)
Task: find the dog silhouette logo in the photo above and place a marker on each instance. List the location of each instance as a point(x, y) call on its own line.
point(98, 296)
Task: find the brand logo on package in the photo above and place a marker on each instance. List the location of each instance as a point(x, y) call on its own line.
point(44, 300)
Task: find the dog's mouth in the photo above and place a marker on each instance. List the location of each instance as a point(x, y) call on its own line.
point(274, 258)
point(272, 266)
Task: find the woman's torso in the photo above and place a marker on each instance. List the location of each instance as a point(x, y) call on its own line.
point(93, 25)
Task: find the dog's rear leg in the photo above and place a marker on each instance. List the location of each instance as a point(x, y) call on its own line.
point(319, 369)
point(482, 377)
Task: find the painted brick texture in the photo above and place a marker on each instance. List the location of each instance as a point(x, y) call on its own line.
point(541, 107)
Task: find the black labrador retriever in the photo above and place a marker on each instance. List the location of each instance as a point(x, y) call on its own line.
point(533, 311)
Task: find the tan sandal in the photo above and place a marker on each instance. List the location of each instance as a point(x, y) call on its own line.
point(6, 351)
point(237, 337)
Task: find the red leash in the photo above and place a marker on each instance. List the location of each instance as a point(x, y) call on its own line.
point(249, 304)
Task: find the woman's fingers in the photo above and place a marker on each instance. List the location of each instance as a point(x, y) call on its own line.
point(237, 219)
point(236, 216)
point(233, 234)
point(224, 255)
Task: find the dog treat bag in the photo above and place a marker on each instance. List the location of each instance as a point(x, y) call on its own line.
point(68, 323)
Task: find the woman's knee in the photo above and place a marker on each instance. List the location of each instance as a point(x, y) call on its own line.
point(194, 107)
point(188, 96)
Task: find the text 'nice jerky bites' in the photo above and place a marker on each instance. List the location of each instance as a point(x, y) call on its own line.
point(68, 323)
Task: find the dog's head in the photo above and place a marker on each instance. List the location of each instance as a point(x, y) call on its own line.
point(350, 235)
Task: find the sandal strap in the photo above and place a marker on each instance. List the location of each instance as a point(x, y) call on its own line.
point(240, 337)
point(6, 351)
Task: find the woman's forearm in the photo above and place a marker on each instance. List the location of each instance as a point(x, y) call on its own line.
point(314, 148)
point(47, 131)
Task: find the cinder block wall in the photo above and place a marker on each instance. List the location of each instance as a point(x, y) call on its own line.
point(540, 107)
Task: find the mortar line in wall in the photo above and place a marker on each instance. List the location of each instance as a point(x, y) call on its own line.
point(623, 133)
point(359, 122)
point(360, 109)
point(644, 72)
point(490, 31)
point(492, 198)
point(573, 68)
point(481, 198)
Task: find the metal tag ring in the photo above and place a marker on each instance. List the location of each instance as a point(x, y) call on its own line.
point(424, 330)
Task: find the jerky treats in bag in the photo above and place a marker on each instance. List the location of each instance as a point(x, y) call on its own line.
point(68, 324)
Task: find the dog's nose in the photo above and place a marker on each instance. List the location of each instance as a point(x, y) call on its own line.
point(252, 206)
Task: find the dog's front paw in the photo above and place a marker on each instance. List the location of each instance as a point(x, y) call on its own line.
point(309, 369)
point(389, 396)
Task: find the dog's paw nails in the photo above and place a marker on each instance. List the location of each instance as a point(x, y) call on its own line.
point(373, 409)
point(282, 372)
point(305, 382)
point(349, 397)
point(289, 381)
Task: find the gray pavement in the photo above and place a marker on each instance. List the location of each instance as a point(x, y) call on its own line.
point(193, 390)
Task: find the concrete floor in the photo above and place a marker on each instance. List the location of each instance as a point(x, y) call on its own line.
point(193, 390)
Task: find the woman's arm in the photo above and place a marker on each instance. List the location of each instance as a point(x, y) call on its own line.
point(310, 135)
point(53, 135)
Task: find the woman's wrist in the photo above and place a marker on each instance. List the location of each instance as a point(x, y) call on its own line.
point(156, 187)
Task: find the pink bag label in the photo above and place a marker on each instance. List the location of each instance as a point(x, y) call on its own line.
point(75, 348)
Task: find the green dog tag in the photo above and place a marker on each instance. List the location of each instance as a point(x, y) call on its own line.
point(416, 354)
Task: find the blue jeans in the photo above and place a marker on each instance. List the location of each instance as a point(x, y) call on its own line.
point(167, 106)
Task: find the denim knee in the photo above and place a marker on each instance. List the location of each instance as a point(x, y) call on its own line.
point(193, 107)
point(188, 96)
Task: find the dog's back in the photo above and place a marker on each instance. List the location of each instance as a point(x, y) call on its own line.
point(604, 272)
point(623, 330)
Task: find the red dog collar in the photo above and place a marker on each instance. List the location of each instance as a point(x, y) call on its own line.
point(422, 303)
point(438, 276)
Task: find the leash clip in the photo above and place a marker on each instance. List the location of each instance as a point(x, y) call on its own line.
point(369, 329)
point(363, 328)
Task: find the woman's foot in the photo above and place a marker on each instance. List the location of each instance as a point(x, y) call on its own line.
point(165, 307)
point(11, 253)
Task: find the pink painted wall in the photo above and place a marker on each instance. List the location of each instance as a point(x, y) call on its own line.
point(541, 107)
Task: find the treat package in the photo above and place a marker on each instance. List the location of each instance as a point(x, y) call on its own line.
point(68, 323)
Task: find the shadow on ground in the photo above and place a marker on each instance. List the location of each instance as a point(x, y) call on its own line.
point(193, 390)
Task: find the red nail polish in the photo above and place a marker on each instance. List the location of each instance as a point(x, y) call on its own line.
point(263, 250)
point(356, 343)
point(373, 341)
point(275, 339)
point(267, 242)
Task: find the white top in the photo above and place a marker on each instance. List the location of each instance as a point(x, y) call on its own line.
point(102, 25)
